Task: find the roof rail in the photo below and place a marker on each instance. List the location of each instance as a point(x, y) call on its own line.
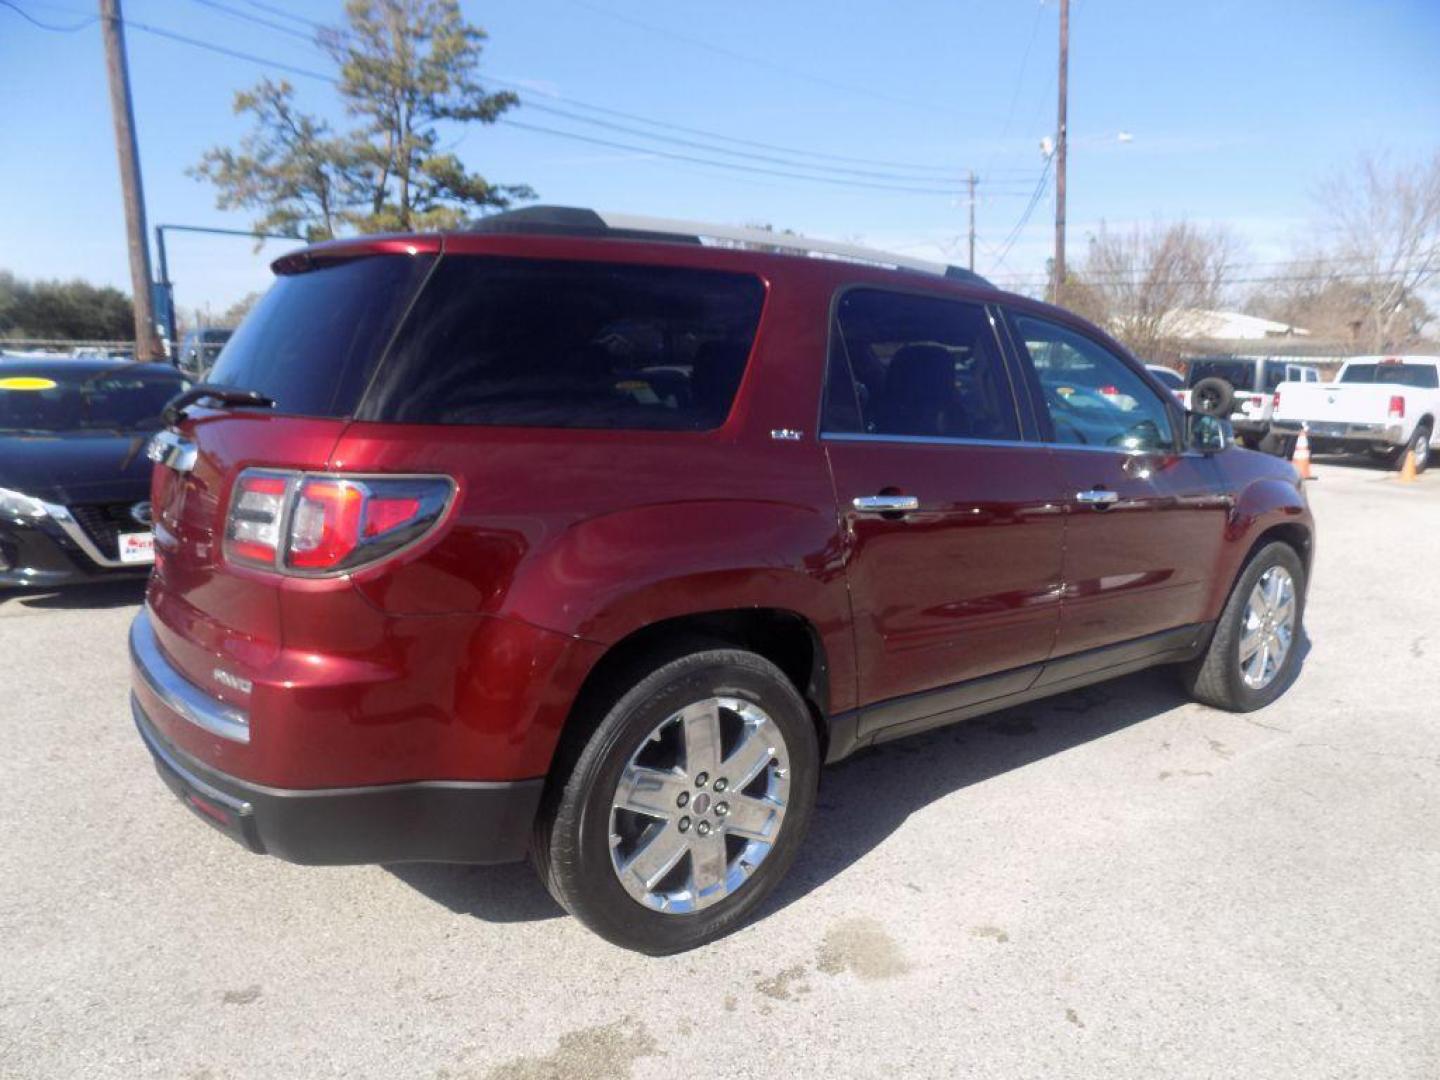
point(576, 221)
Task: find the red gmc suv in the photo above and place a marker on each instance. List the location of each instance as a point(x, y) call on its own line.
point(577, 536)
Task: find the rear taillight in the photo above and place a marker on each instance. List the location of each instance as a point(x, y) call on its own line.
point(1110, 390)
point(1275, 401)
point(1397, 407)
point(307, 524)
point(257, 510)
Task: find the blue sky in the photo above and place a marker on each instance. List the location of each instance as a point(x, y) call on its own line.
point(1236, 111)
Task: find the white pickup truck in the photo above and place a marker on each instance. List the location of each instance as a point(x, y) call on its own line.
point(1385, 405)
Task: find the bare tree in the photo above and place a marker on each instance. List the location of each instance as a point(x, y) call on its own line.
point(1381, 233)
point(1146, 285)
point(1323, 296)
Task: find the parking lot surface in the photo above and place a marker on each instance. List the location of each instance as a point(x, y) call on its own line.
point(1112, 883)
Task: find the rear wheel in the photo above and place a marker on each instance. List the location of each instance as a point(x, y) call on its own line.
point(1419, 445)
point(1254, 651)
point(1273, 443)
point(686, 806)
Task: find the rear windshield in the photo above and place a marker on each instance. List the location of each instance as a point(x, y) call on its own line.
point(1418, 375)
point(52, 400)
point(313, 339)
point(1238, 373)
point(540, 343)
point(1241, 373)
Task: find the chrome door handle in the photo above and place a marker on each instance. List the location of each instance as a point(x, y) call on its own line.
point(1097, 497)
point(885, 504)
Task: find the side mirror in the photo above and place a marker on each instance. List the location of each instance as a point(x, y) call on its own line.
point(1208, 433)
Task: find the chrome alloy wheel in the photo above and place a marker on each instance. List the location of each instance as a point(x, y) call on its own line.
point(699, 805)
point(1269, 628)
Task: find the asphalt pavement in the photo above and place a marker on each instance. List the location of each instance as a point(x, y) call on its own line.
point(1114, 883)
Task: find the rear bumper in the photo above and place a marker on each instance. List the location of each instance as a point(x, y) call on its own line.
point(428, 821)
point(1368, 434)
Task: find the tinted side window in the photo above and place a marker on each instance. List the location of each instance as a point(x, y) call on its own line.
point(313, 339)
point(1093, 397)
point(842, 401)
point(1276, 372)
point(921, 366)
point(538, 343)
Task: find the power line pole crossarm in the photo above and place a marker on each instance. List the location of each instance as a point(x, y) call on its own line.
point(147, 345)
point(1060, 140)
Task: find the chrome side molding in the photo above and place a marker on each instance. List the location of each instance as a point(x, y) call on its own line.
point(178, 693)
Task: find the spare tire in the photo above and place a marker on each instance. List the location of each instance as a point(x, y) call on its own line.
point(1213, 397)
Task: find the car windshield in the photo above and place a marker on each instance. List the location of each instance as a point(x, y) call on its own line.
point(1422, 376)
point(1238, 373)
point(51, 399)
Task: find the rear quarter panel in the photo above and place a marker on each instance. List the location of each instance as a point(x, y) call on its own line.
point(595, 534)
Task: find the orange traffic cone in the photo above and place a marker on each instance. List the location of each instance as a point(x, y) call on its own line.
point(1407, 470)
point(1301, 457)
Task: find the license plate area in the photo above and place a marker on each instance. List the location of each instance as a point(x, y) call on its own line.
point(137, 548)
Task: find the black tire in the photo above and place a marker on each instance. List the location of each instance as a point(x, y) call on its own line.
point(1213, 396)
point(1419, 445)
point(1213, 677)
point(1272, 443)
point(572, 841)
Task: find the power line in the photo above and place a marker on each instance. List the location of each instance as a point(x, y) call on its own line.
point(733, 54)
point(81, 25)
point(272, 10)
point(236, 54)
point(921, 185)
point(575, 103)
point(734, 166)
point(1263, 279)
point(951, 192)
point(279, 28)
point(1020, 78)
point(1014, 233)
point(867, 173)
point(527, 95)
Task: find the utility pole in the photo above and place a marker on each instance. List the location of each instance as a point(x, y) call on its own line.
point(971, 179)
point(1059, 271)
point(112, 30)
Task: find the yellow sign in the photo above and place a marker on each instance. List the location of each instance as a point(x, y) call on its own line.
point(27, 382)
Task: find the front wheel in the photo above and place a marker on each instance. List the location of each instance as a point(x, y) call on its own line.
point(686, 806)
point(1254, 651)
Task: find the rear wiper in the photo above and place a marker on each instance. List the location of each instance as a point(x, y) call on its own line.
point(223, 395)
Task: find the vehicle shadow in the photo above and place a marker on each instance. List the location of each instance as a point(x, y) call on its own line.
point(867, 797)
point(498, 894)
point(94, 596)
point(1361, 462)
